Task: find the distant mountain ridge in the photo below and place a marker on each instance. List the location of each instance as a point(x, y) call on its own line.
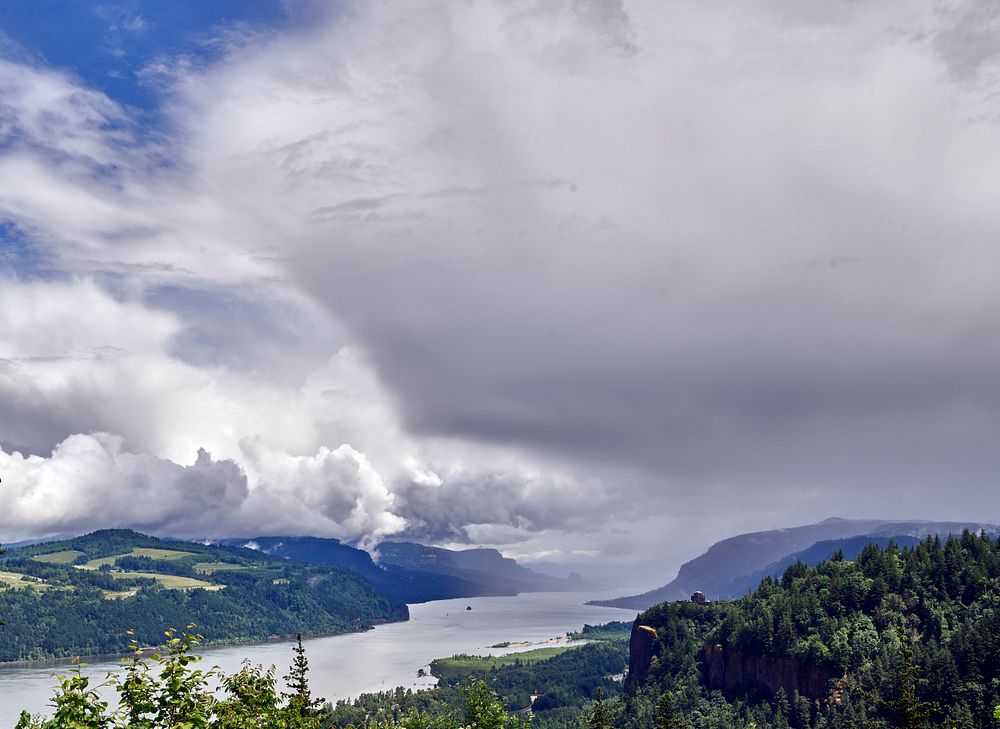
point(412, 573)
point(731, 567)
point(474, 565)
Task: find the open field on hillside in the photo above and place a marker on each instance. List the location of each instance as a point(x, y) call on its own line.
point(122, 595)
point(15, 579)
point(170, 582)
point(150, 552)
point(66, 556)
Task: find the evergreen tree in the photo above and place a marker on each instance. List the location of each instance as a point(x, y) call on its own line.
point(960, 717)
point(802, 711)
point(667, 716)
point(600, 717)
point(910, 710)
point(299, 696)
point(781, 705)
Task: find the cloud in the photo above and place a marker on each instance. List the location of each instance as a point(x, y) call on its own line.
point(659, 306)
point(339, 488)
point(966, 39)
point(90, 482)
point(526, 273)
point(326, 456)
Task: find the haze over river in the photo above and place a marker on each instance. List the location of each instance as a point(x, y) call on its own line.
point(390, 655)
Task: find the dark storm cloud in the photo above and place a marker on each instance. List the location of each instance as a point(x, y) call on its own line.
point(774, 266)
point(786, 384)
point(967, 38)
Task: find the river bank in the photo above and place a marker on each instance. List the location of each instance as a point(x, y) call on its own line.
point(69, 661)
point(347, 665)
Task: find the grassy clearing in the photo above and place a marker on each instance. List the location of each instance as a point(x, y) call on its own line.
point(464, 665)
point(16, 579)
point(150, 552)
point(154, 553)
point(207, 568)
point(64, 557)
point(170, 582)
point(123, 595)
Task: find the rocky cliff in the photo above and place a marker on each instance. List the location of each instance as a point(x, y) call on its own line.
point(737, 674)
point(640, 654)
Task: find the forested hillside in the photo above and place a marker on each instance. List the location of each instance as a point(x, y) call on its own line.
point(899, 637)
point(82, 596)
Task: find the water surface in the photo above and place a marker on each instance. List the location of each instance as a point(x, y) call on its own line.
point(344, 666)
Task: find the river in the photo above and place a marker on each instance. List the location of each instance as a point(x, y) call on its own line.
point(343, 666)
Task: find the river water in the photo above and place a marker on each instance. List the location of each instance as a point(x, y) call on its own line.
point(344, 666)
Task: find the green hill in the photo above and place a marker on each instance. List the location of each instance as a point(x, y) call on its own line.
point(82, 595)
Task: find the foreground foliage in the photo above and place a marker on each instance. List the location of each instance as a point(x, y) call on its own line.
point(166, 690)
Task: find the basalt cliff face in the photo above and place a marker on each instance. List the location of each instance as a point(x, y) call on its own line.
point(640, 654)
point(736, 674)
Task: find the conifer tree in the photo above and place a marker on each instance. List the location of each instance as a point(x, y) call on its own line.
point(802, 711)
point(299, 696)
point(781, 704)
point(600, 717)
point(910, 710)
point(666, 715)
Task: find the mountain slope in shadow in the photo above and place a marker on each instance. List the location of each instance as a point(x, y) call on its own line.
point(413, 573)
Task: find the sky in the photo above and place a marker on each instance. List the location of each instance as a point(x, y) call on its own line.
point(593, 282)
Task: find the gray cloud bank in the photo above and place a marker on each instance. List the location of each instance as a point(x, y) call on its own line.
point(613, 267)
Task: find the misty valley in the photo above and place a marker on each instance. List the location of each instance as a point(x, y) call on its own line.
point(813, 626)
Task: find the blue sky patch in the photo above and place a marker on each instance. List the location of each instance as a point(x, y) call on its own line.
point(18, 255)
point(107, 44)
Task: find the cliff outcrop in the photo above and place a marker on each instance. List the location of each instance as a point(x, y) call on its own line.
point(735, 673)
point(640, 654)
